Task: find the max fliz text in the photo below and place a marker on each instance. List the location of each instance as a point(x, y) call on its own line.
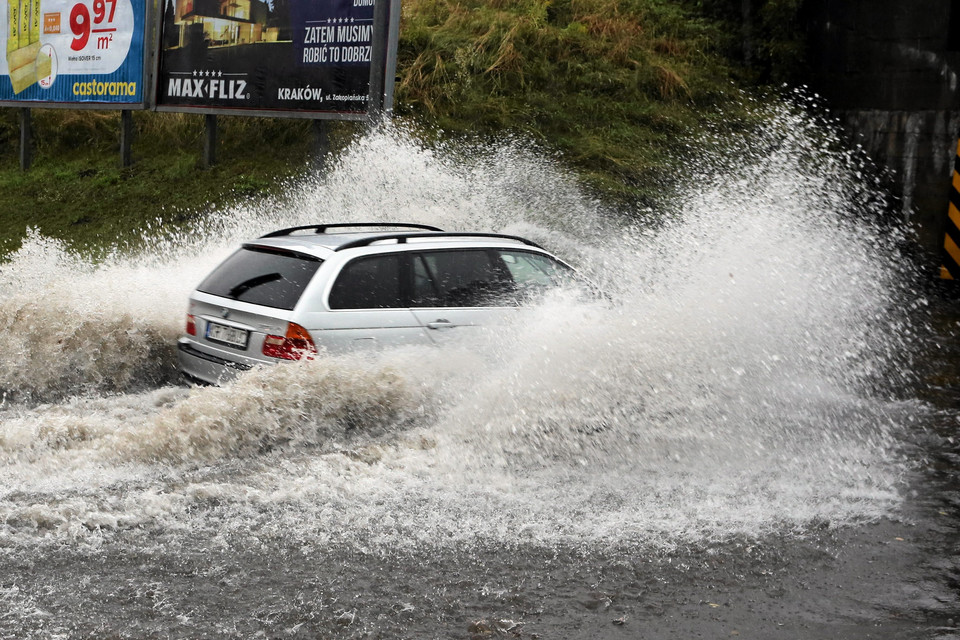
point(207, 88)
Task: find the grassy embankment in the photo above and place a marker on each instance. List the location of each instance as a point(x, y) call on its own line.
point(611, 84)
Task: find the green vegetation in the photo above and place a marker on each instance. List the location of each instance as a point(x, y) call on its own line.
point(614, 85)
point(77, 190)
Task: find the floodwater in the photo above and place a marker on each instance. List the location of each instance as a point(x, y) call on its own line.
point(753, 433)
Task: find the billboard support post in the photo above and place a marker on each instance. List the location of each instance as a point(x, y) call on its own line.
point(210, 140)
point(378, 54)
point(126, 137)
point(26, 138)
point(321, 143)
point(390, 71)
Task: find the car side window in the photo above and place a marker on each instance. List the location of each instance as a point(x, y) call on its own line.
point(460, 278)
point(532, 272)
point(425, 293)
point(372, 282)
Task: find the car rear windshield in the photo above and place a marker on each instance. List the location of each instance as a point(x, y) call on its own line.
point(262, 276)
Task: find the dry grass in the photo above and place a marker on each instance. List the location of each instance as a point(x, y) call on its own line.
point(670, 84)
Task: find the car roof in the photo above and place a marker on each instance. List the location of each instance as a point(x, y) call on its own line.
point(315, 240)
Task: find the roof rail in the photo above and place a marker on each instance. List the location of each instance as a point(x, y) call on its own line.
point(402, 238)
point(322, 228)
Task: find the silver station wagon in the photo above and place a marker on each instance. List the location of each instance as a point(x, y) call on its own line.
point(336, 287)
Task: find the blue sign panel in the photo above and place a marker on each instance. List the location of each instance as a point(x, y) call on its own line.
point(73, 51)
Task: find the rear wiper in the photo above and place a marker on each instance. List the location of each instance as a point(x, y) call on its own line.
point(246, 285)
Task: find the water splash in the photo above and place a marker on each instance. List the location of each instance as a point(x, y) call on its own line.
point(725, 386)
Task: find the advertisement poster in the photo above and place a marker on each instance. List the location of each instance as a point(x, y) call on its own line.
point(266, 55)
point(73, 51)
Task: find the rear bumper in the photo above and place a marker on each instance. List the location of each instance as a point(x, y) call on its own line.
point(205, 366)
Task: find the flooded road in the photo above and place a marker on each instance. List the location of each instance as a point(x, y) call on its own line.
point(864, 584)
point(753, 433)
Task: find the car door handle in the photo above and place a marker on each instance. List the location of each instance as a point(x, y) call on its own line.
point(440, 324)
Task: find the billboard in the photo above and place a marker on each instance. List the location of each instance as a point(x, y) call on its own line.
point(73, 52)
point(276, 57)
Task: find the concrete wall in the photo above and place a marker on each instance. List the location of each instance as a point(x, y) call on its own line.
point(886, 70)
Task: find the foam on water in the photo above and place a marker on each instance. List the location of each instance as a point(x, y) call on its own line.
point(726, 385)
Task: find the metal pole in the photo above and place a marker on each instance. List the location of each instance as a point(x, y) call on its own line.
point(378, 51)
point(210, 141)
point(26, 139)
point(390, 73)
point(126, 137)
point(321, 143)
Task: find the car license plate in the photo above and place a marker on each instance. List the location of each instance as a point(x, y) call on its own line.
point(227, 335)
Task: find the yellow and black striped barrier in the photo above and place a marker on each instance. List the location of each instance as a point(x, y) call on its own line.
point(950, 268)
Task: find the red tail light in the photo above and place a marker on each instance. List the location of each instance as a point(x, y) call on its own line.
point(296, 345)
point(191, 325)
